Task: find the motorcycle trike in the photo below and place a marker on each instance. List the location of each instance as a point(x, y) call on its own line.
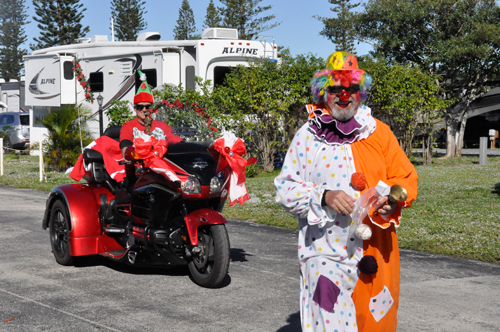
point(156, 221)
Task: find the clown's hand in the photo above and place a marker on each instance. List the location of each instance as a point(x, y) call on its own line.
point(385, 205)
point(339, 201)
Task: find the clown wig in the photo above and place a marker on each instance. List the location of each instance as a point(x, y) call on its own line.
point(341, 67)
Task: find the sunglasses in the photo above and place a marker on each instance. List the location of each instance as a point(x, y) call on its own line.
point(141, 107)
point(336, 89)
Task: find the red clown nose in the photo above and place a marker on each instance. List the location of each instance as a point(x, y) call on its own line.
point(344, 95)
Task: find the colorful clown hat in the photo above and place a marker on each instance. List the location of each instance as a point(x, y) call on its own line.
point(340, 68)
point(143, 94)
point(342, 61)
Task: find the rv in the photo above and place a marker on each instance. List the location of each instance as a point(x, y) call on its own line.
point(111, 67)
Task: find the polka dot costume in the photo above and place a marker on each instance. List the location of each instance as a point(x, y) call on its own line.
point(328, 272)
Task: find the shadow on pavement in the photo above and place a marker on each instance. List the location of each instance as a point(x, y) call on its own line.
point(96, 260)
point(293, 323)
point(180, 270)
point(239, 255)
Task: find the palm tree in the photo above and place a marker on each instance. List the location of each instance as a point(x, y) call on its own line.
point(68, 131)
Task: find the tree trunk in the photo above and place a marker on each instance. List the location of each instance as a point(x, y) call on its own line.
point(456, 120)
point(267, 156)
point(427, 149)
point(461, 134)
point(451, 131)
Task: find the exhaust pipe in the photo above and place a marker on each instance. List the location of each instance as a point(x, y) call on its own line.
point(131, 257)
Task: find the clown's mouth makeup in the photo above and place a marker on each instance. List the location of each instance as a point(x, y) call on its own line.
point(343, 104)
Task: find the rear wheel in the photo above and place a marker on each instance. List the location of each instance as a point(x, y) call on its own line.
point(59, 233)
point(210, 266)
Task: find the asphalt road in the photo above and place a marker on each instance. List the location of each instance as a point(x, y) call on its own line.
point(261, 294)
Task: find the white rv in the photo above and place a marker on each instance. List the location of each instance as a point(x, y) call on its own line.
point(111, 67)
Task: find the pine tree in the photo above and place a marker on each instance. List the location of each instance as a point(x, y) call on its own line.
point(59, 22)
point(212, 19)
point(12, 36)
point(244, 16)
point(185, 28)
point(128, 18)
point(340, 30)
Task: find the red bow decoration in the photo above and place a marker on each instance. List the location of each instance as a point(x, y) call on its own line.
point(233, 157)
point(150, 150)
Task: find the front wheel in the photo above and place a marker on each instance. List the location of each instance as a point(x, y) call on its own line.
point(59, 233)
point(209, 267)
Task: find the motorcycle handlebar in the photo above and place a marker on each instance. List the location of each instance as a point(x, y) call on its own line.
point(127, 162)
point(131, 162)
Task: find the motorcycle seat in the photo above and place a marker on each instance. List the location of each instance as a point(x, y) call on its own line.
point(91, 156)
point(113, 132)
point(96, 172)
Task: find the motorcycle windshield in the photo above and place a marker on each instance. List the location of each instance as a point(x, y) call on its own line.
point(194, 158)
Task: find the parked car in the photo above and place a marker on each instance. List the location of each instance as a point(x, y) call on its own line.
point(19, 130)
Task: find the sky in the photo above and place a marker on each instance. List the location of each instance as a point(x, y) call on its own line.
point(299, 30)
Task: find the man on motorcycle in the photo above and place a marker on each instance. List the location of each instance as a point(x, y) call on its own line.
point(136, 128)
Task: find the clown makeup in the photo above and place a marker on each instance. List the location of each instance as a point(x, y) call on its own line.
point(342, 105)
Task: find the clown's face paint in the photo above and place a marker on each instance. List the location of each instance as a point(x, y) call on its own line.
point(342, 106)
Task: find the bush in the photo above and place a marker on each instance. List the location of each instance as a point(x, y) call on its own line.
point(68, 132)
point(181, 108)
point(119, 112)
point(253, 170)
point(4, 133)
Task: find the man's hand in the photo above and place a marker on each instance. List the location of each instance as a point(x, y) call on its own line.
point(123, 152)
point(339, 201)
point(385, 205)
point(129, 153)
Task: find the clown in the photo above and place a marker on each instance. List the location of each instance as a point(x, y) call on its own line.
point(341, 287)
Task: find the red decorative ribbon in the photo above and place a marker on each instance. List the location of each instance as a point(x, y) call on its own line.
point(233, 157)
point(151, 151)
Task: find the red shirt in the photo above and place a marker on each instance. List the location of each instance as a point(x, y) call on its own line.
point(159, 129)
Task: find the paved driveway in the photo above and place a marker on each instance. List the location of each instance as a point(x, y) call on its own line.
point(261, 293)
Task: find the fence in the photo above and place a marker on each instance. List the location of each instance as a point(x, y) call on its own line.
point(4, 149)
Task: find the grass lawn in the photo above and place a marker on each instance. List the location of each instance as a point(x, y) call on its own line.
point(22, 171)
point(456, 213)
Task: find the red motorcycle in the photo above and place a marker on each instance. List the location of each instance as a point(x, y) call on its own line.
point(156, 221)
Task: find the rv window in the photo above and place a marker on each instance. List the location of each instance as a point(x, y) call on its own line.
point(151, 78)
point(68, 70)
point(189, 77)
point(220, 74)
point(96, 81)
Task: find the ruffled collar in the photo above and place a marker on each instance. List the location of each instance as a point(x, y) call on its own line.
point(335, 132)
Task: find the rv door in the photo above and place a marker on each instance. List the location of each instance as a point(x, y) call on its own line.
point(67, 79)
point(171, 69)
point(50, 79)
